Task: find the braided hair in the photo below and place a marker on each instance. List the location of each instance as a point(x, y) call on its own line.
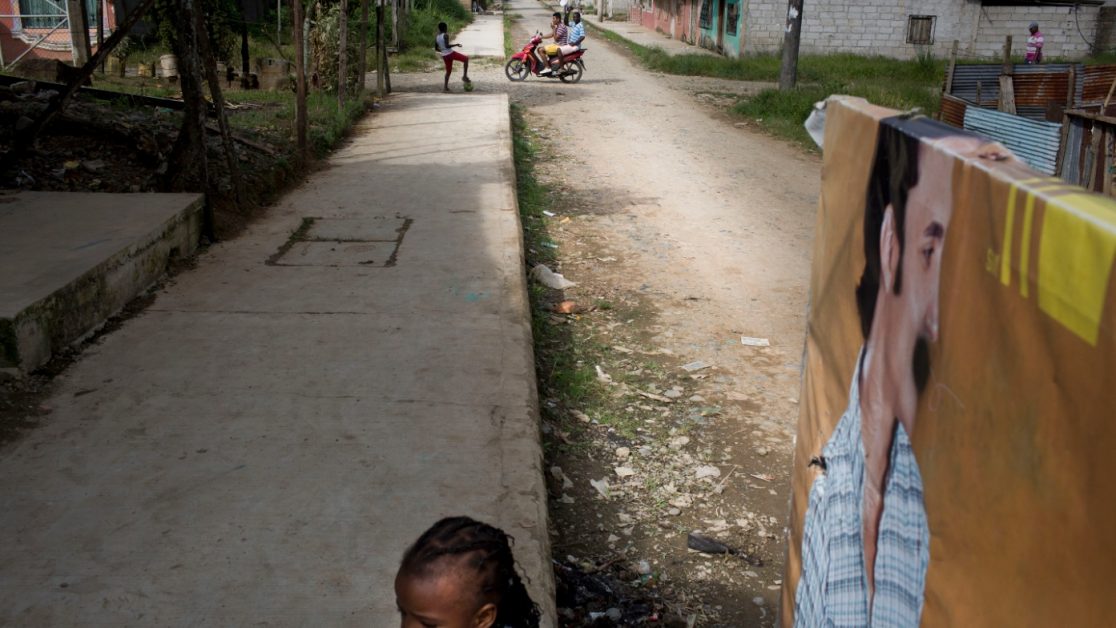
point(484, 549)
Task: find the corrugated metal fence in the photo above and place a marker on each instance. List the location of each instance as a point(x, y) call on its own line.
point(1032, 141)
point(1075, 168)
point(1035, 85)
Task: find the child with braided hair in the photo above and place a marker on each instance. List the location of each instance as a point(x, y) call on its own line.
point(461, 574)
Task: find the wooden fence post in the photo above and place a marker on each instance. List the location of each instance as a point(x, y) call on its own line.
point(1007, 87)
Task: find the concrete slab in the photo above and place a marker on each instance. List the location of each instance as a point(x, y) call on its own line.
point(263, 442)
point(71, 260)
point(339, 254)
point(483, 38)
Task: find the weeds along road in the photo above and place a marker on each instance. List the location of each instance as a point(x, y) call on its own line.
point(686, 233)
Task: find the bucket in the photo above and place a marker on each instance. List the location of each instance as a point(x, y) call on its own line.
point(169, 65)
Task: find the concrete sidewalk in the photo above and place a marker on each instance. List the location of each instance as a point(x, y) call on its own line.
point(483, 38)
point(643, 36)
point(260, 445)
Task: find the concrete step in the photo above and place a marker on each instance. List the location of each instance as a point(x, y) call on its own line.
point(71, 260)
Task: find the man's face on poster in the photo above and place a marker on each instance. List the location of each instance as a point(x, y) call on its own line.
point(928, 211)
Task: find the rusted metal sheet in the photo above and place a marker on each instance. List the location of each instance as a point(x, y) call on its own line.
point(953, 111)
point(1035, 86)
point(1040, 88)
point(1095, 82)
point(966, 77)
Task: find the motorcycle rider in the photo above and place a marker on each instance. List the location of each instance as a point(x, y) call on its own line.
point(559, 33)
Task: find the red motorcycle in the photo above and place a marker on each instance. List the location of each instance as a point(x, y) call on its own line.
point(526, 62)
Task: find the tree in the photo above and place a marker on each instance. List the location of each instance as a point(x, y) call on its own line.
point(343, 54)
point(300, 78)
point(188, 166)
point(363, 43)
point(209, 66)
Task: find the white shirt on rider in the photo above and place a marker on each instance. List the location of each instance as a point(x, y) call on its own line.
point(442, 42)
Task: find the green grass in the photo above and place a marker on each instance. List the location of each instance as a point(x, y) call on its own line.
point(783, 113)
point(565, 367)
point(884, 81)
point(509, 19)
point(765, 67)
point(565, 357)
point(326, 123)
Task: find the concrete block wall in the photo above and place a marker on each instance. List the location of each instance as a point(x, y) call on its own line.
point(1106, 28)
point(1069, 31)
point(855, 26)
point(878, 27)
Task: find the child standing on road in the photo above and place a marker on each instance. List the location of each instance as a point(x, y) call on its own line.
point(461, 573)
point(449, 55)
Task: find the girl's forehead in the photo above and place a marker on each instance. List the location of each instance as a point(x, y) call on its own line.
point(446, 588)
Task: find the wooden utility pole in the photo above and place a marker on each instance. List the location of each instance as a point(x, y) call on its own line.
point(1007, 67)
point(788, 74)
point(100, 17)
point(300, 78)
point(948, 87)
point(343, 55)
point(1007, 86)
point(79, 31)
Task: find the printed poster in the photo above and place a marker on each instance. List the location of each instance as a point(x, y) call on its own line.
point(958, 411)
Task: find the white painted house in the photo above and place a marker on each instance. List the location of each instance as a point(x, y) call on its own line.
point(895, 28)
point(906, 28)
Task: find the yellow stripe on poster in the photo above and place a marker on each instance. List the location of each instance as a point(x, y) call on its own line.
point(1050, 188)
point(1045, 186)
point(1076, 252)
point(1038, 180)
point(1025, 245)
point(1009, 232)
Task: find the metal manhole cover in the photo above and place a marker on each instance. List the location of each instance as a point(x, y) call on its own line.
point(366, 241)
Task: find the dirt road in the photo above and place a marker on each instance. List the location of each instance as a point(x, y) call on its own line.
point(685, 233)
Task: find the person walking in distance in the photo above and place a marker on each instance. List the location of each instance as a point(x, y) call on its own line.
point(449, 55)
point(1034, 45)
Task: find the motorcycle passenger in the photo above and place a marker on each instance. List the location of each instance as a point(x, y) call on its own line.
point(559, 33)
point(577, 34)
